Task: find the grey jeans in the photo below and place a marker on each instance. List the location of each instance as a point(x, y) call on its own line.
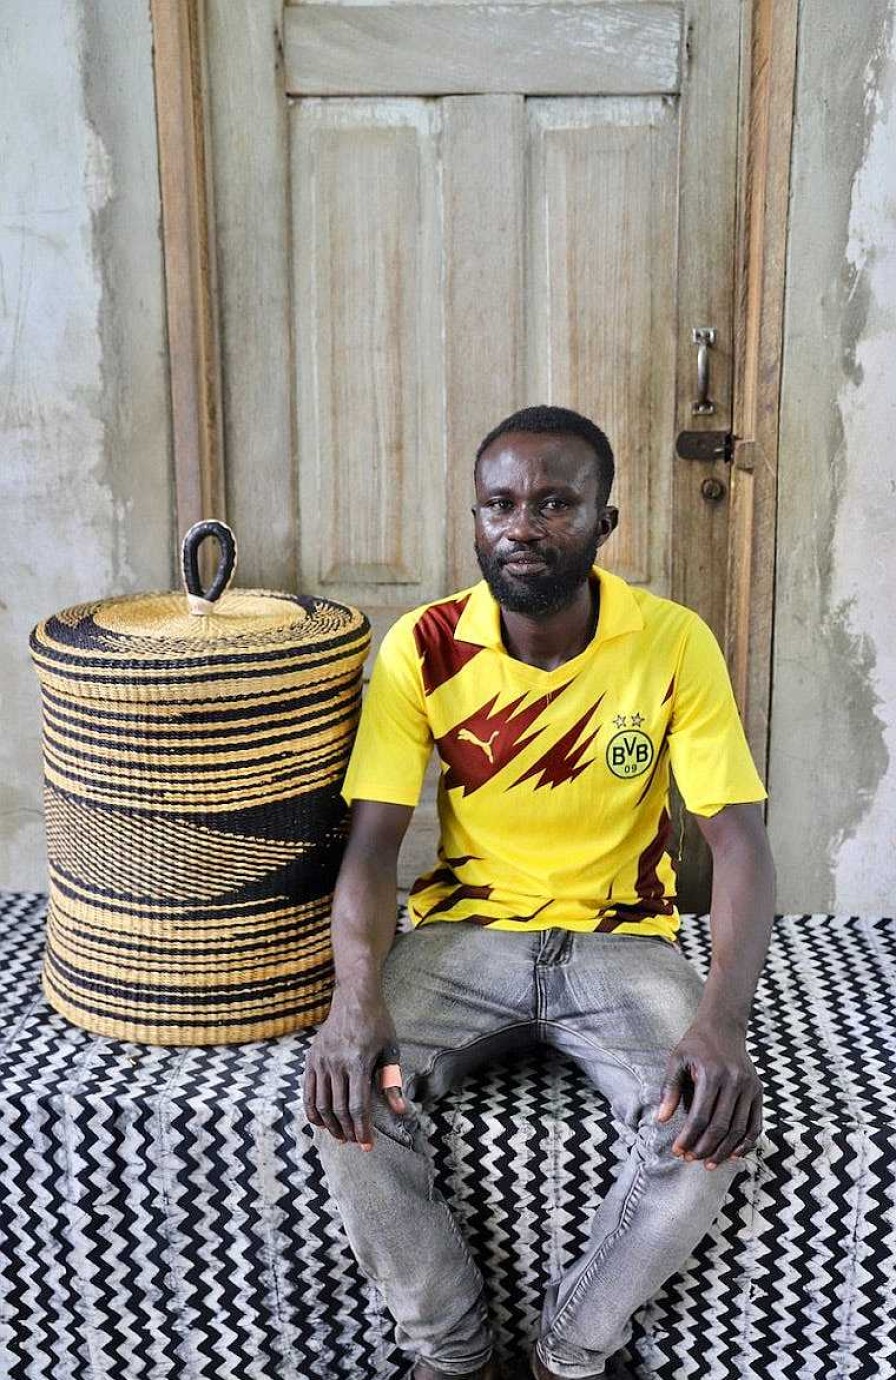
point(459, 995)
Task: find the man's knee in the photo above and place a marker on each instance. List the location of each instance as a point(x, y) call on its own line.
point(384, 1122)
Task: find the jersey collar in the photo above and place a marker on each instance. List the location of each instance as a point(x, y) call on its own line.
point(480, 622)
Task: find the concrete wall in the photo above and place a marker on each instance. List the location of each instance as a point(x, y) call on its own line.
point(833, 742)
point(85, 472)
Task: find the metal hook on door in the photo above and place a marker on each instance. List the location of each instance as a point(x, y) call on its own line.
point(704, 337)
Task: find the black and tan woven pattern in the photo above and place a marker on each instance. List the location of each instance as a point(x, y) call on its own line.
point(194, 822)
point(163, 1214)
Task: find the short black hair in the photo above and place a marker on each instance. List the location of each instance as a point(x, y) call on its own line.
point(560, 421)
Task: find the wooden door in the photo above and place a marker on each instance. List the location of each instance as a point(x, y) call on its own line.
point(428, 215)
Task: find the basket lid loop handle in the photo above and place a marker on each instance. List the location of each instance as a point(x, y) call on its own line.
point(202, 601)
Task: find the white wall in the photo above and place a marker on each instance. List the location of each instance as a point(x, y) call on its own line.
point(85, 474)
point(85, 471)
point(832, 770)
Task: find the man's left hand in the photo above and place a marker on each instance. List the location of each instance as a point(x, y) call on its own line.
point(710, 1068)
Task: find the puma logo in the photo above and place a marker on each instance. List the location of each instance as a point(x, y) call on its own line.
point(465, 736)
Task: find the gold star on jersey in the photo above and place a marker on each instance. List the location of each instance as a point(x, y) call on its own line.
point(553, 789)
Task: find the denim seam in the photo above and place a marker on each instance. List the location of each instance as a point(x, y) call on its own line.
point(632, 1198)
point(438, 1199)
point(424, 1073)
point(482, 1312)
point(448, 1214)
point(455, 1232)
point(608, 1054)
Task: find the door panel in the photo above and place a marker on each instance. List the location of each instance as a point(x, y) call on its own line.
point(552, 249)
point(706, 212)
point(601, 273)
point(617, 47)
point(484, 178)
point(366, 236)
point(572, 287)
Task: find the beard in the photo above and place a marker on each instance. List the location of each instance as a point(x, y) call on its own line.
point(541, 595)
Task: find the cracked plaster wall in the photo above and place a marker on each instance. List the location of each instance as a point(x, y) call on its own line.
point(832, 769)
point(85, 473)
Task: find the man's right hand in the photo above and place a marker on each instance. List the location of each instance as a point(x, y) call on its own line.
point(339, 1069)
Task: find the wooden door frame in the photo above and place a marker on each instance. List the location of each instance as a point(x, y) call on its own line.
point(194, 359)
point(768, 75)
point(768, 68)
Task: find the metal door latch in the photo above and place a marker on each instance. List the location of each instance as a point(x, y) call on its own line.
point(705, 445)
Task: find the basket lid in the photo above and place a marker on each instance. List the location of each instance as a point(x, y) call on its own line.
point(134, 646)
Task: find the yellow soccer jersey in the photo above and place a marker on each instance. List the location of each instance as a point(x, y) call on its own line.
point(553, 793)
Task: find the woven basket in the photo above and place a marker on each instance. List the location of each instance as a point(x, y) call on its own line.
point(193, 752)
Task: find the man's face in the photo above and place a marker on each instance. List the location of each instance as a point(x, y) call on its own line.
point(538, 521)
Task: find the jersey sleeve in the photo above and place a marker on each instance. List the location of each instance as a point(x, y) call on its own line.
point(708, 748)
point(394, 739)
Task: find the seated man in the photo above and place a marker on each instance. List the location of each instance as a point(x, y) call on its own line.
point(558, 697)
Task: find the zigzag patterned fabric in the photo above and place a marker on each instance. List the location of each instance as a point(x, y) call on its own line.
point(164, 1216)
point(195, 827)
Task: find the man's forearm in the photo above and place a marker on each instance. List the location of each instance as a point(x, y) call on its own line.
point(363, 923)
point(742, 911)
point(365, 899)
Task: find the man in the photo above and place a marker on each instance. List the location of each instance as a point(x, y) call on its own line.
point(557, 698)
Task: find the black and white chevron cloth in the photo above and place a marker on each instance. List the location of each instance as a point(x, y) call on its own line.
point(163, 1215)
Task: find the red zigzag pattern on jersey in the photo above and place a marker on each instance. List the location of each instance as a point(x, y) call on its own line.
point(562, 762)
point(481, 745)
point(442, 656)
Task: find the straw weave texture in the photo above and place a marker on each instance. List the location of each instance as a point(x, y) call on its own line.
point(194, 822)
